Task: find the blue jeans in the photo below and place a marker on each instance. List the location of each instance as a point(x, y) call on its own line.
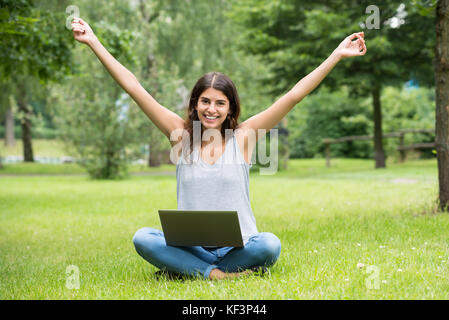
point(262, 249)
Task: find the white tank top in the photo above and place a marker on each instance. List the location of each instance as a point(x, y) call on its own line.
point(223, 185)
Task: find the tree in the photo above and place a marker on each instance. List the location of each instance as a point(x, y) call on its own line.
point(442, 98)
point(295, 36)
point(34, 44)
point(98, 121)
point(6, 110)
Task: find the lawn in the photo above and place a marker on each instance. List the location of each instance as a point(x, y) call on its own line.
point(347, 232)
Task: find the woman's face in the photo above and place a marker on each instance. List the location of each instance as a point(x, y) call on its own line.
point(213, 107)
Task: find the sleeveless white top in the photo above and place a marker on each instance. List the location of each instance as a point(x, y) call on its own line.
point(223, 185)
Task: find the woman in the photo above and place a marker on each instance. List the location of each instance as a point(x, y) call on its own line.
point(218, 178)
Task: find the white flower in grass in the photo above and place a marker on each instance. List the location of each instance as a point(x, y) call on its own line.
point(399, 270)
point(360, 265)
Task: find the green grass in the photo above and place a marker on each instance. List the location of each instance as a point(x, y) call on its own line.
point(328, 220)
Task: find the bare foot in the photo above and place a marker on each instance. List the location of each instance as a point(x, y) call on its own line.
point(217, 274)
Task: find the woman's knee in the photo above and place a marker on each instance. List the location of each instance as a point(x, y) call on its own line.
point(268, 247)
point(272, 245)
point(145, 237)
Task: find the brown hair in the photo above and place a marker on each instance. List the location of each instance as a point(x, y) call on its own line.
point(223, 83)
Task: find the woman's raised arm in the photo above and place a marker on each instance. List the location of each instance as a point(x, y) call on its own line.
point(163, 118)
point(353, 45)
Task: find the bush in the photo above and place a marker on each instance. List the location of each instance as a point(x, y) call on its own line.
point(329, 115)
point(335, 115)
point(409, 108)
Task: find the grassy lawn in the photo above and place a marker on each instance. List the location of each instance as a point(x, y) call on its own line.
point(328, 220)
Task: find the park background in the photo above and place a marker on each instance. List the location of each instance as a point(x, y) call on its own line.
point(82, 168)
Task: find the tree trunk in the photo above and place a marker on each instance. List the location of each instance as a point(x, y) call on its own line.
point(154, 159)
point(156, 156)
point(10, 140)
point(442, 100)
point(379, 154)
point(401, 144)
point(25, 112)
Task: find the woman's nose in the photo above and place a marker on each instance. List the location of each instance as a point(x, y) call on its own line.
point(212, 106)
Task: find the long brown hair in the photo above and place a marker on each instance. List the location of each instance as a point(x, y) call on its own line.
point(223, 83)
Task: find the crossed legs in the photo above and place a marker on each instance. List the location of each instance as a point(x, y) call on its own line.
point(262, 249)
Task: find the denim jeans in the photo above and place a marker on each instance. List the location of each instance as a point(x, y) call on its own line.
point(262, 249)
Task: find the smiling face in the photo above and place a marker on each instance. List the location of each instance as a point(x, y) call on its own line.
point(213, 108)
point(215, 103)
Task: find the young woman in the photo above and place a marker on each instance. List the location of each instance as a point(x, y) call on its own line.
point(219, 177)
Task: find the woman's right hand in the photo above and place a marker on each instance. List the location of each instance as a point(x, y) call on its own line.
point(82, 32)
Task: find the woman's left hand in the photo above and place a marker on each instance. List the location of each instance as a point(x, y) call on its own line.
point(351, 46)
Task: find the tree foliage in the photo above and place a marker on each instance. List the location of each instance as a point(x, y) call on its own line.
point(330, 115)
point(33, 41)
point(97, 120)
point(295, 36)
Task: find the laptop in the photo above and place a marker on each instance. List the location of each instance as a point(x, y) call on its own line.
point(201, 228)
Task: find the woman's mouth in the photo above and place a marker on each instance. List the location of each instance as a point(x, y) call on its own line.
point(210, 119)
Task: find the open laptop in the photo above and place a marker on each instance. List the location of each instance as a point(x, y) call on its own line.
point(201, 228)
